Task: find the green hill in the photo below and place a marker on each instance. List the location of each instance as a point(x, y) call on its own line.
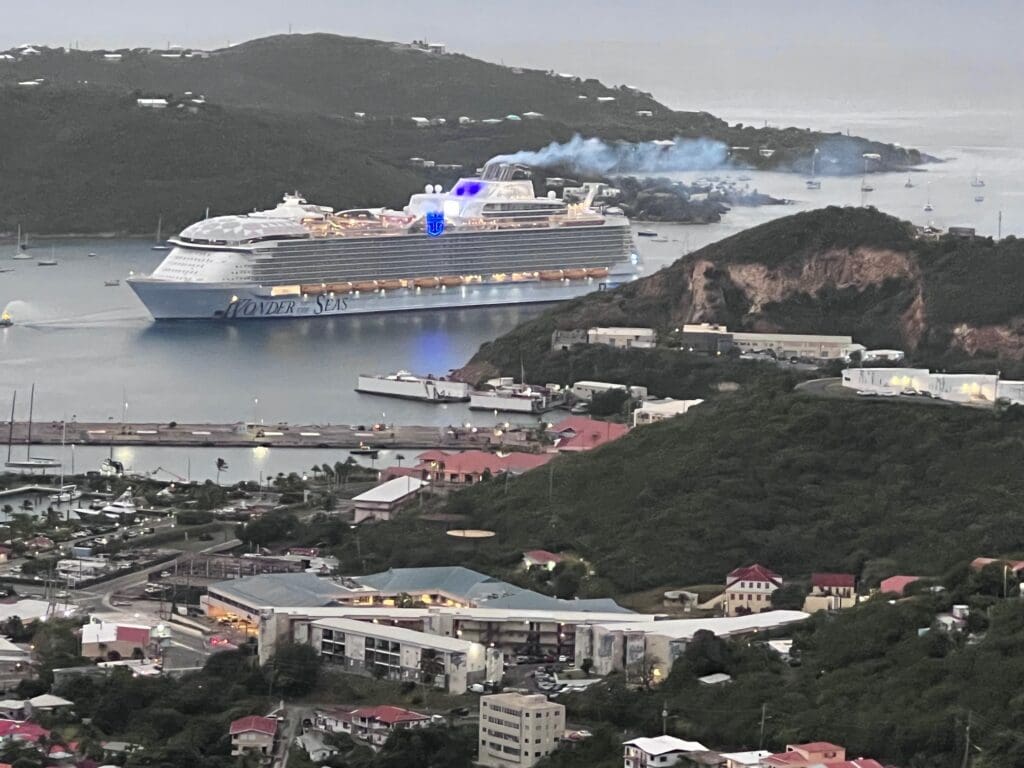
point(834, 270)
point(280, 113)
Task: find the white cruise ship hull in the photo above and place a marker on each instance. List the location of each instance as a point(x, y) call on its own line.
point(226, 301)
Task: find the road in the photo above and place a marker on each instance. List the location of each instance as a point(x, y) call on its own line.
point(239, 435)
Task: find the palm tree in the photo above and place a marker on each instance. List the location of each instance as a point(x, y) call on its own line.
point(221, 466)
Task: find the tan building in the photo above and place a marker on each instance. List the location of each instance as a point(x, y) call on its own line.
point(805, 755)
point(253, 735)
point(111, 641)
point(518, 730)
point(831, 592)
point(622, 338)
point(749, 590)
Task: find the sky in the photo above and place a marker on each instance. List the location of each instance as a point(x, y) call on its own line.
point(738, 56)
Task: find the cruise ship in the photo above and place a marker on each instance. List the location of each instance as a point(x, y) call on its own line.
point(486, 241)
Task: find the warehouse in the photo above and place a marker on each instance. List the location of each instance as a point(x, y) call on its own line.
point(887, 380)
point(396, 653)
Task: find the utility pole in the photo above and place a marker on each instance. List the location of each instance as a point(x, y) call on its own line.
point(664, 719)
point(999, 230)
point(764, 713)
point(967, 741)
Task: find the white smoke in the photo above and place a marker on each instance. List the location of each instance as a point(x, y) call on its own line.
point(598, 156)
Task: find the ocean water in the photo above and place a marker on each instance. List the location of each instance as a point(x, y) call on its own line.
point(90, 348)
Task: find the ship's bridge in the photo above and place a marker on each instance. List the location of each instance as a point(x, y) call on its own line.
point(241, 230)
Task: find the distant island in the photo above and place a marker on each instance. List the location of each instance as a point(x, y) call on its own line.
point(108, 141)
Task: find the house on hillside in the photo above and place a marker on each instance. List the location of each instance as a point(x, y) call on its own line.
point(112, 641)
point(372, 724)
point(660, 751)
point(651, 411)
point(831, 592)
point(380, 502)
point(580, 433)
point(897, 585)
point(805, 755)
point(253, 735)
point(467, 467)
point(563, 340)
point(749, 590)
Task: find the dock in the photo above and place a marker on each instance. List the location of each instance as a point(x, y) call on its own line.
point(243, 435)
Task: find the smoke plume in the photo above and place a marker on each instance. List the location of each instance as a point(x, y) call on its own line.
point(598, 156)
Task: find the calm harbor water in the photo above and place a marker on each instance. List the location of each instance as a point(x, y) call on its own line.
point(90, 348)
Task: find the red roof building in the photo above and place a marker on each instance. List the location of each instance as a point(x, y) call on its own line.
point(264, 725)
point(897, 585)
point(470, 466)
point(833, 580)
point(253, 735)
point(803, 755)
point(580, 433)
point(541, 558)
point(373, 724)
point(22, 731)
point(749, 590)
point(980, 562)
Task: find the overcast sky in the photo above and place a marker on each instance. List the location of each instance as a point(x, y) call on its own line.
point(785, 56)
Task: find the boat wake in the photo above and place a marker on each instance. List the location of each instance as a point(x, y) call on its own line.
point(30, 315)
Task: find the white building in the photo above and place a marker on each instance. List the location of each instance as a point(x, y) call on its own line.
point(518, 730)
point(420, 122)
point(585, 390)
point(651, 411)
point(751, 759)
point(151, 103)
point(658, 752)
point(378, 503)
point(644, 113)
point(396, 653)
point(786, 345)
point(882, 356)
point(622, 338)
point(964, 387)
point(887, 380)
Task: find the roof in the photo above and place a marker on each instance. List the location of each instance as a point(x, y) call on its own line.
point(542, 557)
point(661, 745)
point(265, 725)
point(475, 462)
point(282, 589)
point(832, 580)
point(897, 584)
point(389, 715)
point(109, 632)
point(725, 626)
point(48, 700)
point(22, 731)
point(391, 491)
point(398, 634)
point(817, 746)
point(623, 330)
point(755, 572)
point(242, 229)
point(752, 757)
point(715, 679)
point(579, 433)
point(980, 562)
point(860, 762)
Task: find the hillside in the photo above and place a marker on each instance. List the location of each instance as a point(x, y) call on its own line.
point(835, 270)
point(797, 483)
point(281, 112)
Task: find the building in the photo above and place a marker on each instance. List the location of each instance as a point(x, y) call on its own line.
point(751, 759)
point(651, 411)
point(517, 729)
point(541, 558)
point(151, 103)
point(964, 232)
point(253, 735)
point(882, 356)
point(831, 592)
point(622, 338)
point(658, 752)
point(395, 653)
point(109, 640)
point(82, 569)
point(46, 702)
point(586, 390)
point(705, 338)
point(897, 585)
point(749, 590)
point(372, 724)
point(563, 340)
point(798, 345)
point(468, 467)
point(647, 648)
point(380, 502)
point(1014, 566)
point(644, 113)
point(814, 753)
point(581, 433)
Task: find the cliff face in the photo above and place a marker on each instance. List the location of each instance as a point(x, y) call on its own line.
point(843, 271)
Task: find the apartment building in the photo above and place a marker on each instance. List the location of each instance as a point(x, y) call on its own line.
point(518, 730)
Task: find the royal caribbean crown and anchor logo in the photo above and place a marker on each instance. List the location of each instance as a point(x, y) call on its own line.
point(435, 223)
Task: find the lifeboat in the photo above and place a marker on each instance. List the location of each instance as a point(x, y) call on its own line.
point(597, 272)
point(451, 281)
point(339, 287)
point(551, 274)
point(389, 285)
point(426, 282)
point(313, 290)
point(366, 285)
point(575, 274)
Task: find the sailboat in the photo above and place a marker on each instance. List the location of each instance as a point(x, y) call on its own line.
point(160, 245)
point(977, 181)
point(66, 493)
point(29, 462)
point(813, 183)
point(50, 262)
point(909, 184)
point(928, 205)
point(865, 187)
point(19, 251)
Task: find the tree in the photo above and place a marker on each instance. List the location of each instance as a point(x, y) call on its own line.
point(221, 466)
point(586, 665)
point(294, 669)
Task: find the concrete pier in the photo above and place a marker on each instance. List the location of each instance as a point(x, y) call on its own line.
point(241, 435)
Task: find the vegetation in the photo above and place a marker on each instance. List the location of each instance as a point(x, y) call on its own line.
point(797, 483)
point(850, 271)
point(280, 114)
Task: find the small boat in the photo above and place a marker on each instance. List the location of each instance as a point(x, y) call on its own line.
point(366, 285)
point(390, 285)
point(47, 262)
point(5, 319)
point(19, 251)
point(977, 181)
point(122, 509)
point(91, 255)
point(426, 282)
point(365, 450)
point(909, 184)
point(451, 281)
point(813, 184)
point(597, 272)
point(929, 207)
point(575, 274)
point(111, 467)
point(646, 233)
point(111, 283)
point(66, 493)
point(551, 274)
point(979, 198)
point(865, 187)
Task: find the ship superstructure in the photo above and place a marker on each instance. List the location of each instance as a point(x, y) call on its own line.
point(487, 240)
